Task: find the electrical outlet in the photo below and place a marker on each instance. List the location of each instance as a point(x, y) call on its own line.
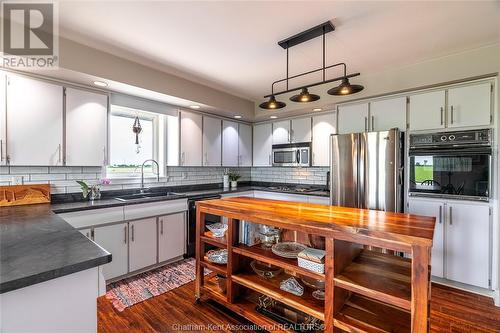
point(16, 180)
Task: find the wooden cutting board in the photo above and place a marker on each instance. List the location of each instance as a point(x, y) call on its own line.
point(24, 194)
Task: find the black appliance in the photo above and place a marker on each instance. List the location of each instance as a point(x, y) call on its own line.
point(191, 225)
point(451, 164)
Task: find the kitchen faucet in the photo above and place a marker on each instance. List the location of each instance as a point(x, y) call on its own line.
point(142, 172)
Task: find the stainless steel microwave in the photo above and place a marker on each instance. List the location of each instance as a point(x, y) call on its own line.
point(292, 154)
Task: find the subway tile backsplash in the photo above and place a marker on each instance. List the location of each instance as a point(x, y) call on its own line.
point(63, 179)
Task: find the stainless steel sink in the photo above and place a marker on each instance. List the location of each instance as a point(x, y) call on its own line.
point(145, 196)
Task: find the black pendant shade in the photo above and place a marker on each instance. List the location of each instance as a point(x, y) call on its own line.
point(304, 97)
point(345, 88)
point(272, 104)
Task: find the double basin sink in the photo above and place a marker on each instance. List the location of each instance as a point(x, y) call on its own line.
point(148, 196)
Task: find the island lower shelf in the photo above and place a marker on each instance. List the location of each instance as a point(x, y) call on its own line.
point(365, 290)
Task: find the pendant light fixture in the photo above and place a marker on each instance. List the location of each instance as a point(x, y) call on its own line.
point(304, 97)
point(272, 104)
point(345, 88)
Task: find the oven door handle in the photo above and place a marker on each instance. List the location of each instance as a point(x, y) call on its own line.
point(448, 152)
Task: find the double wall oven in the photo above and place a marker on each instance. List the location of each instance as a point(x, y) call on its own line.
point(454, 165)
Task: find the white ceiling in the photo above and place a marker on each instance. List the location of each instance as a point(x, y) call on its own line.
point(232, 45)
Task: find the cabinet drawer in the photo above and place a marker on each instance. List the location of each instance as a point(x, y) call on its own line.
point(154, 209)
point(87, 218)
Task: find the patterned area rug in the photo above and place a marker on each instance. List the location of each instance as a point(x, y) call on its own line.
point(138, 288)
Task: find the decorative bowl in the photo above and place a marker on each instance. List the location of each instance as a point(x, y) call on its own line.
point(319, 295)
point(288, 249)
point(218, 229)
point(313, 283)
point(264, 270)
point(217, 256)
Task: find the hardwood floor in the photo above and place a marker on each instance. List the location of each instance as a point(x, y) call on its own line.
point(452, 311)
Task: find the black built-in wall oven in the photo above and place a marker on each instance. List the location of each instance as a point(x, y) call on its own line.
point(454, 165)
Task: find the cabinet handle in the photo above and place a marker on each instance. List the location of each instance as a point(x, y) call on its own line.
point(183, 155)
point(270, 161)
point(125, 232)
point(59, 148)
point(440, 214)
point(1, 150)
point(373, 123)
point(452, 114)
point(451, 216)
point(104, 159)
point(314, 157)
point(133, 232)
point(161, 226)
point(366, 124)
point(442, 114)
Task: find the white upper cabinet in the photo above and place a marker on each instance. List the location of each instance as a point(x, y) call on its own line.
point(469, 105)
point(281, 132)
point(352, 118)
point(35, 122)
point(468, 244)
point(212, 141)
point(388, 113)
point(427, 110)
point(230, 143)
point(3, 115)
point(245, 145)
point(262, 144)
point(432, 209)
point(191, 139)
point(323, 127)
point(86, 128)
point(301, 130)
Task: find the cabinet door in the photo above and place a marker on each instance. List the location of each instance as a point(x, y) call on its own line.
point(171, 236)
point(86, 232)
point(113, 238)
point(142, 246)
point(301, 130)
point(35, 120)
point(469, 105)
point(426, 111)
point(191, 139)
point(432, 209)
point(245, 145)
point(352, 118)
point(86, 128)
point(262, 144)
point(323, 127)
point(281, 132)
point(3, 115)
point(468, 244)
point(387, 114)
point(212, 141)
point(230, 143)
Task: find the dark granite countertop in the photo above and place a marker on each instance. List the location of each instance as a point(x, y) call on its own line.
point(36, 245)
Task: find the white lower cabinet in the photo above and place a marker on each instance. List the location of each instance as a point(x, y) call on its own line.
point(171, 236)
point(461, 249)
point(142, 246)
point(114, 239)
point(432, 209)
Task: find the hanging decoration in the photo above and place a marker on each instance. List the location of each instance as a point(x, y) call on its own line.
point(137, 129)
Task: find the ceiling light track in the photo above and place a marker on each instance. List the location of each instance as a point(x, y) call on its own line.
point(345, 88)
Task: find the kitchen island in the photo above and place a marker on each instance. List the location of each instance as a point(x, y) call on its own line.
point(365, 290)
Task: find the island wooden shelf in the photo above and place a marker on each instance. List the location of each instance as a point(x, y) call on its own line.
point(217, 268)
point(365, 291)
point(267, 256)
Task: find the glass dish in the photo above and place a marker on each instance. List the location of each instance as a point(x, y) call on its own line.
point(218, 229)
point(217, 256)
point(288, 249)
point(264, 270)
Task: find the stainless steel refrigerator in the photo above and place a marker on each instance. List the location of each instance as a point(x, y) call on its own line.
point(366, 170)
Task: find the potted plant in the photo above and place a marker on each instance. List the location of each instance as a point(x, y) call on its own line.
point(233, 178)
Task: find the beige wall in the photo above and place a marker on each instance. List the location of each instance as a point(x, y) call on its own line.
point(476, 62)
point(80, 58)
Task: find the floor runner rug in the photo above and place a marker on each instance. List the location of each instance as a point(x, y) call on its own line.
point(138, 288)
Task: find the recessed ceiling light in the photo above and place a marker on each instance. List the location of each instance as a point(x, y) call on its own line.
point(196, 107)
point(237, 117)
point(317, 109)
point(100, 84)
point(273, 117)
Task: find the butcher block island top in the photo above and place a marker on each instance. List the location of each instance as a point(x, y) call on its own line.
point(368, 285)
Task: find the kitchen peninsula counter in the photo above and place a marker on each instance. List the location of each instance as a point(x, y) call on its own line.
point(363, 287)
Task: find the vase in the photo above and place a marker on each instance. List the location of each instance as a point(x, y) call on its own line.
point(234, 184)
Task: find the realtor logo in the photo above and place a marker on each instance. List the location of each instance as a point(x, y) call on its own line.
point(29, 36)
